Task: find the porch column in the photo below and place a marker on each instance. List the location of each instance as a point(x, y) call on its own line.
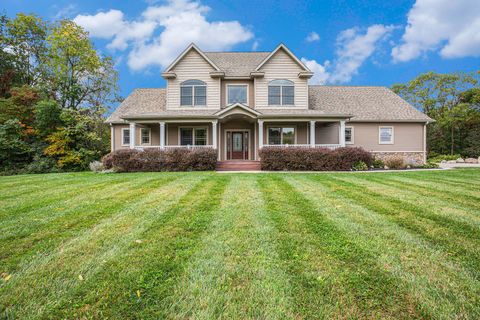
point(162, 134)
point(341, 136)
point(260, 134)
point(112, 138)
point(312, 133)
point(132, 134)
point(214, 134)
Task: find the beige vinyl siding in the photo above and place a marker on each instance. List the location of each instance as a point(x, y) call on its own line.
point(326, 133)
point(281, 66)
point(193, 66)
point(407, 136)
point(154, 135)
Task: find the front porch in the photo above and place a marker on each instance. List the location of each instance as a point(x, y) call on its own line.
point(236, 137)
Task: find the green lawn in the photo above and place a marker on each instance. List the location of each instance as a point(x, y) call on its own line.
point(237, 246)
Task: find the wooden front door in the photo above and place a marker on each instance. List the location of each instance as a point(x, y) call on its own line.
point(237, 145)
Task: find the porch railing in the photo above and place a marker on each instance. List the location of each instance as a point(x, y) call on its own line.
point(327, 146)
point(174, 147)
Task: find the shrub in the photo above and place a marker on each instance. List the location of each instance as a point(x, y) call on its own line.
point(395, 162)
point(96, 166)
point(312, 159)
point(436, 158)
point(360, 166)
point(151, 160)
point(378, 164)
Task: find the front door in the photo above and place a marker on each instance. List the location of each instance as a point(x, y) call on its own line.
point(237, 145)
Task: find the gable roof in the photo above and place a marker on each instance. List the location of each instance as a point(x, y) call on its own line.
point(237, 64)
point(281, 46)
point(192, 46)
point(364, 103)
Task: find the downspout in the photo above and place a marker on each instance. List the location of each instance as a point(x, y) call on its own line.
point(425, 142)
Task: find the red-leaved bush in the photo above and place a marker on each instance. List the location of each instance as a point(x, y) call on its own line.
point(312, 159)
point(149, 160)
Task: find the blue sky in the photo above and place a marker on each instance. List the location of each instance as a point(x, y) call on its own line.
point(364, 42)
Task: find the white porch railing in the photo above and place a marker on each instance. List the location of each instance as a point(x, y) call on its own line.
point(174, 147)
point(327, 146)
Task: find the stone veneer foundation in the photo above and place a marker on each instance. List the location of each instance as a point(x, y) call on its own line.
point(411, 158)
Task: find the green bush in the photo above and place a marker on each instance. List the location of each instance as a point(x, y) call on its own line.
point(360, 166)
point(440, 157)
point(378, 164)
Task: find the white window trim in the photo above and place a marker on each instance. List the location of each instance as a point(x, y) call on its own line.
point(123, 130)
point(392, 141)
point(193, 134)
point(149, 137)
point(193, 95)
point(281, 105)
point(237, 85)
point(281, 137)
point(352, 135)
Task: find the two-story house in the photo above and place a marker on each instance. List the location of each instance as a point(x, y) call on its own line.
point(240, 102)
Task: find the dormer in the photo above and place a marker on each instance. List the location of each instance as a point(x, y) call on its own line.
point(281, 81)
point(193, 81)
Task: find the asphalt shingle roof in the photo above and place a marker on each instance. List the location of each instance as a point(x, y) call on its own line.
point(362, 103)
point(237, 64)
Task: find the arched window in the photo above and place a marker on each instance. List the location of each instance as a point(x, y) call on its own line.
point(281, 93)
point(193, 93)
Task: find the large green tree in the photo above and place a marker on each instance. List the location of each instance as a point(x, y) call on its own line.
point(55, 89)
point(448, 99)
point(80, 75)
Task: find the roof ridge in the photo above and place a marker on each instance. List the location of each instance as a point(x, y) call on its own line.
point(236, 51)
point(346, 86)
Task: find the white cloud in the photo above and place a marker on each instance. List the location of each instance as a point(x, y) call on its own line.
point(449, 26)
point(179, 22)
point(65, 12)
point(312, 37)
point(102, 25)
point(321, 75)
point(353, 49)
point(255, 45)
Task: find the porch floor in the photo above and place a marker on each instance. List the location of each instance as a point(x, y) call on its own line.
point(238, 165)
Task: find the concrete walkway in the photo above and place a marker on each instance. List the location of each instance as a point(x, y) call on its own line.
point(459, 165)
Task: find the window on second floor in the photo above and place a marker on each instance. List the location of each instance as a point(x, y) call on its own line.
point(281, 93)
point(193, 93)
point(237, 93)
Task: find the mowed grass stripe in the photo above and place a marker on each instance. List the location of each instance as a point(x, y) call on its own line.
point(441, 287)
point(151, 267)
point(87, 253)
point(25, 188)
point(449, 210)
point(237, 273)
point(422, 221)
point(465, 196)
point(36, 209)
point(332, 277)
point(25, 240)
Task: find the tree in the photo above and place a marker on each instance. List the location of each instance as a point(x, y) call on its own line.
point(443, 98)
point(24, 45)
point(79, 75)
